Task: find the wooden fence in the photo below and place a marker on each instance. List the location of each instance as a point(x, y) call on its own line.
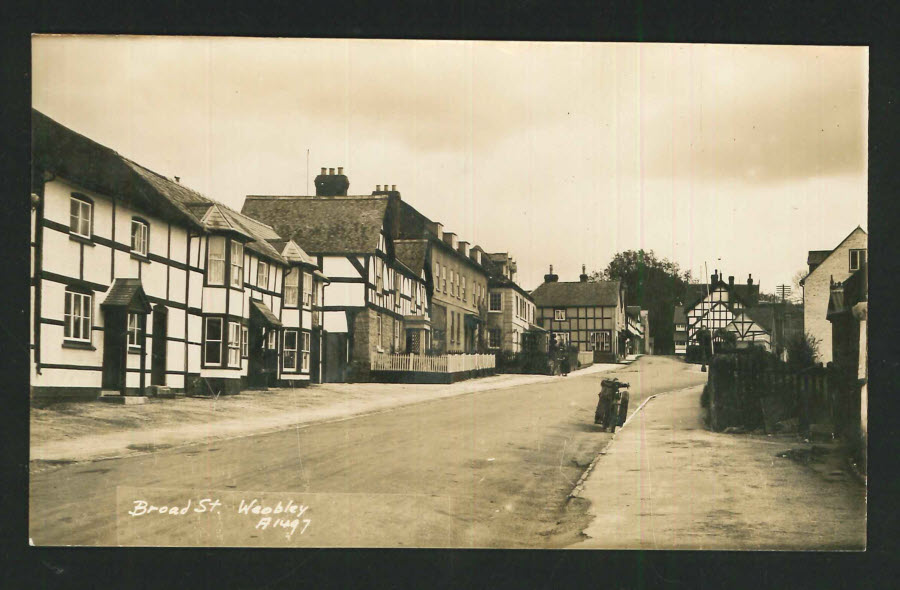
point(763, 395)
point(420, 363)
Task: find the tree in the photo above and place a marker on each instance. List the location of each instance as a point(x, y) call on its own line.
point(655, 284)
point(802, 351)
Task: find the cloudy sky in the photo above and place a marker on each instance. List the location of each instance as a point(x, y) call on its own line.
point(740, 157)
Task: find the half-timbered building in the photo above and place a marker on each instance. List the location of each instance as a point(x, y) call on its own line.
point(588, 314)
point(726, 306)
point(373, 299)
point(138, 280)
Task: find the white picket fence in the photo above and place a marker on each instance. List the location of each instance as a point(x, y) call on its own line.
point(444, 363)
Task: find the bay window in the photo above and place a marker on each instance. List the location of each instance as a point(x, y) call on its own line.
point(215, 264)
point(212, 344)
point(291, 287)
point(140, 236)
point(237, 264)
point(290, 350)
point(78, 312)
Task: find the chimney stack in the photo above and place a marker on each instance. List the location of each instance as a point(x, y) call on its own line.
point(330, 184)
point(714, 278)
point(749, 279)
point(464, 248)
point(731, 281)
point(583, 277)
point(550, 277)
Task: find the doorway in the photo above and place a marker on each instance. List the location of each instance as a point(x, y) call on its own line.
point(160, 345)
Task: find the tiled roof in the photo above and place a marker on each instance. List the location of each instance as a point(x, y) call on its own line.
point(559, 294)
point(127, 293)
point(634, 311)
point(694, 293)
point(499, 281)
point(212, 214)
point(70, 155)
point(336, 225)
point(764, 315)
point(412, 254)
point(266, 312)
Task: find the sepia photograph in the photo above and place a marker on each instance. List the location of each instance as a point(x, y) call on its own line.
point(387, 293)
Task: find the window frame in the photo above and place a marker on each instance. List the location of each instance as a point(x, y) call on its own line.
point(307, 288)
point(245, 341)
point(288, 352)
point(305, 342)
point(860, 260)
point(82, 201)
point(499, 301)
point(492, 332)
point(133, 331)
point(234, 344)
point(145, 226)
point(207, 341)
point(209, 260)
point(236, 279)
point(69, 317)
point(291, 294)
point(557, 313)
point(260, 265)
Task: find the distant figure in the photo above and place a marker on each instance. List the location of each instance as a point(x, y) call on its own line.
point(553, 353)
point(564, 360)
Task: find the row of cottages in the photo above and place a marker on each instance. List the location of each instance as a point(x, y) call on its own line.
point(587, 314)
point(827, 267)
point(680, 330)
point(730, 306)
point(637, 331)
point(375, 303)
point(138, 281)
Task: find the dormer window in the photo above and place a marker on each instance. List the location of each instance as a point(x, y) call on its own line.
point(307, 289)
point(291, 287)
point(80, 216)
point(857, 259)
point(140, 236)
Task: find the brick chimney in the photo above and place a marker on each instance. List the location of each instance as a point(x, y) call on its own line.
point(714, 278)
point(550, 277)
point(475, 254)
point(438, 229)
point(464, 248)
point(731, 282)
point(749, 279)
point(331, 184)
point(583, 276)
point(451, 240)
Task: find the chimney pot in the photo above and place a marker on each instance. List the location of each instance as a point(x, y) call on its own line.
point(330, 171)
point(323, 170)
point(393, 187)
point(340, 169)
point(378, 188)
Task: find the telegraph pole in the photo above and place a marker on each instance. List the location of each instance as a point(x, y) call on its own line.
point(783, 290)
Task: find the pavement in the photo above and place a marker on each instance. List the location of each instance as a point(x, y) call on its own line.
point(665, 482)
point(85, 431)
point(489, 469)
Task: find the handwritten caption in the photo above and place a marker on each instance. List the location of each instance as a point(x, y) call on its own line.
point(282, 515)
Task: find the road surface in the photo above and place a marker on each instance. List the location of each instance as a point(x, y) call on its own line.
point(668, 483)
point(490, 469)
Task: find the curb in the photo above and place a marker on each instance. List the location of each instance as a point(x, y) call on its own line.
point(579, 485)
